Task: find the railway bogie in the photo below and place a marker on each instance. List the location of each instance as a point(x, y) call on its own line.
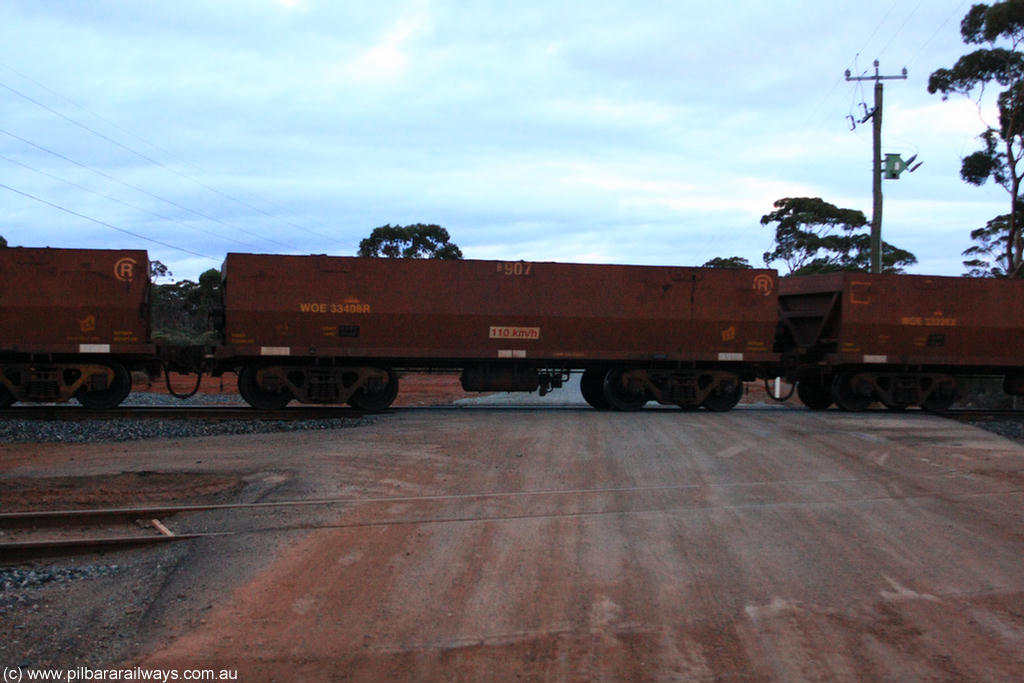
point(96, 384)
point(270, 387)
point(715, 389)
point(856, 388)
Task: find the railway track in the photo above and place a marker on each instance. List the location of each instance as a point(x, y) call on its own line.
point(983, 414)
point(306, 412)
point(36, 534)
point(31, 535)
point(213, 413)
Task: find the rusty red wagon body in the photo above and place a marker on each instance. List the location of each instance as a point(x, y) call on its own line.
point(899, 338)
point(321, 328)
point(72, 323)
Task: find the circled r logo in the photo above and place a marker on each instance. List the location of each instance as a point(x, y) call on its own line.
point(763, 284)
point(124, 269)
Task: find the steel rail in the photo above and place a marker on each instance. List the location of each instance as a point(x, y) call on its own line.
point(983, 413)
point(305, 412)
point(74, 517)
point(217, 413)
point(26, 550)
point(21, 551)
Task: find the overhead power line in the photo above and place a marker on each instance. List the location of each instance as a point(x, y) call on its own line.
point(881, 23)
point(899, 30)
point(145, 192)
point(158, 163)
point(122, 202)
point(105, 224)
point(958, 11)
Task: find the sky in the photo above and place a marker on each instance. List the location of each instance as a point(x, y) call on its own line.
point(641, 132)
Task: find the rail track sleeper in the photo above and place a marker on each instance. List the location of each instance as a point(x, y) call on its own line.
point(20, 551)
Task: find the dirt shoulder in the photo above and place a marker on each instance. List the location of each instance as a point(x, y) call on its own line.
point(559, 544)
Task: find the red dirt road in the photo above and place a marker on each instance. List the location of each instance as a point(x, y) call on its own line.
point(573, 545)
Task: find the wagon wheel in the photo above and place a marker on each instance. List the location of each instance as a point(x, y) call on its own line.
point(377, 397)
point(815, 394)
point(941, 397)
point(895, 406)
point(724, 397)
point(618, 394)
point(592, 388)
point(257, 396)
point(885, 391)
point(850, 394)
point(111, 397)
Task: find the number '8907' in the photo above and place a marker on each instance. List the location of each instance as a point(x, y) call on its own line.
point(511, 268)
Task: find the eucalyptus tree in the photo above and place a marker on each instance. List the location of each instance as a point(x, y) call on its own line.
point(814, 236)
point(410, 241)
point(999, 30)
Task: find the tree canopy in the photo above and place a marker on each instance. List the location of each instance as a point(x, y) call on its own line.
point(988, 255)
point(157, 270)
point(184, 312)
point(1000, 29)
point(730, 262)
point(3, 242)
point(410, 241)
point(814, 236)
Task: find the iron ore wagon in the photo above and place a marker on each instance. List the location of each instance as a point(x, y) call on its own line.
point(323, 329)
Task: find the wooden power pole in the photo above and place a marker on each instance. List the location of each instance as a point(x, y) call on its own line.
point(876, 188)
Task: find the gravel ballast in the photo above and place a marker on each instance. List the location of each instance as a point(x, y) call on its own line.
point(114, 429)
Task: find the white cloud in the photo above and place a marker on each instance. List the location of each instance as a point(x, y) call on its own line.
point(684, 190)
point(955, 118)
point(601, 108)
point(388, 59)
